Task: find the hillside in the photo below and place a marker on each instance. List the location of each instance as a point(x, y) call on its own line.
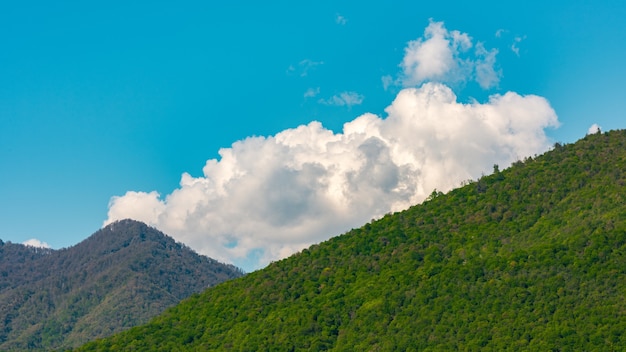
point(529, 258)
point(121, 276)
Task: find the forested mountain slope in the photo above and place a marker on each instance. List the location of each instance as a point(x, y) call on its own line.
point(120, 277)
point(529, 258)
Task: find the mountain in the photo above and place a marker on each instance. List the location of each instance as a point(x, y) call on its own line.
point(121, 276)
point(529, 258)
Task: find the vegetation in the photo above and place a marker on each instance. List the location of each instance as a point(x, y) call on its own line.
point(120, 277)
point(529, 258)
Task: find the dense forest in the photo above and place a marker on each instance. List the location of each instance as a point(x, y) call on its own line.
point(120, 277)
point(529, 258)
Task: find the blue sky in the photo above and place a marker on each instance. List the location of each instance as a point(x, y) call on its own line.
point(97, 100)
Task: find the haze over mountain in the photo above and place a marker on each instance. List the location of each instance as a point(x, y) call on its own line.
point(119, 277)
point(529, 258)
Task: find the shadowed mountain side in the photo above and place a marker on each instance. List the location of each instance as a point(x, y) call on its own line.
point(529, 258)
point(120, 277)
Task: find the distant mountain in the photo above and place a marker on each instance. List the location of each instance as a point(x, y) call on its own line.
point(529, 258)
point(121, 276)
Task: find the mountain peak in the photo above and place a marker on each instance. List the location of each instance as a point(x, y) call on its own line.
point(121, 276)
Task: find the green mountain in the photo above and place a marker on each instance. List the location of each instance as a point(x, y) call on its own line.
point(529, 258)
point(120, 277)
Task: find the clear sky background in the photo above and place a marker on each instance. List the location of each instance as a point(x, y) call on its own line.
point(97, 100)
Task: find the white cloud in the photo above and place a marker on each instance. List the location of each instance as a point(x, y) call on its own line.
point(486, 74)
point(387, 81)
point(593, 129)
point(268, 197)
point(312, 92)
point(514, 46)
point(339, 19)
point(445, 56)
point(33, 242)
point(137, 205)
point(344, 99)
point(501, 33)
point(303, 67)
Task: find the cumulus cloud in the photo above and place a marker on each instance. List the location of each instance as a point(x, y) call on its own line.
point(344, 99)
point(268, 197)
point(447, 56)
point(593, 129)
point(136, 205)
point(265, 198)
point(33, 242)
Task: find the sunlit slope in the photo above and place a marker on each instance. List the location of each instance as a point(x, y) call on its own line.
point(532, 257)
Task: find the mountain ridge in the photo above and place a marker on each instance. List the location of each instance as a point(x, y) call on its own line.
point(529, 258)
point(119, 277)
